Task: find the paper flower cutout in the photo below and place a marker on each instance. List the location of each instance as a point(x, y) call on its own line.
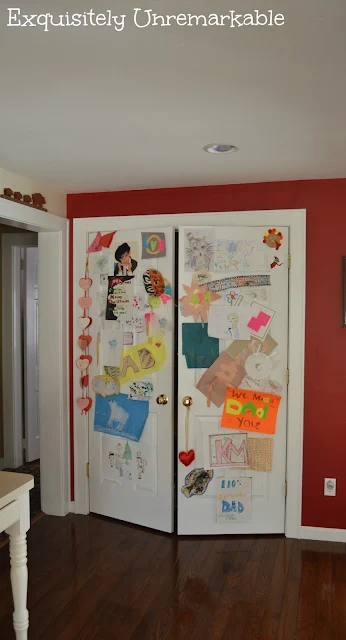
point(273, 239)
point(197, 301)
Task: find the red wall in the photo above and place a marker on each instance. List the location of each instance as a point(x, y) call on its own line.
point(325, 353)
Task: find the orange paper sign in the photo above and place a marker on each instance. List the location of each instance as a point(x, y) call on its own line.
point(250, 411)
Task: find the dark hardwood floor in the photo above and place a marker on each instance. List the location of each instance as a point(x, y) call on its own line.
point(96, 579)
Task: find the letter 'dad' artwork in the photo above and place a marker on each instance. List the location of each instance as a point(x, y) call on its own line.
point(250, 411)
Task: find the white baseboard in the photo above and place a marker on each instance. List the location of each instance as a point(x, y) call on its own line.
point(71, 509)
point(320, 533)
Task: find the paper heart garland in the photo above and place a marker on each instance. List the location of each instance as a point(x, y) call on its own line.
point(85, 303)
point(84, 404)
point(186, 457)
point(84, 323)
point(84, 341)
point(85, 283)
point(84, 381)
point(83, 362)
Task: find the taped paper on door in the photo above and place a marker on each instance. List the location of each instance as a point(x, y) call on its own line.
point(105, 385)
point(125, 260)
point(224, 372)
point(240, 350)
point(273, 239)
point(120, 416)
point(228, 324)
point(143, 359)
point(154, 283)
point(141, 390)
point(197, 301)
point(99, 242)
point(199, 349)
point(239, 281)
point(125, 460)
point(233, 255)
point(228, 451)
point(196, 482)
point(234, 500)
point(119, 299)
point(99, 264)
point(111, 347)
point(233, 299)
point(260, 452)
point(199, 249)
point(250, 411)
point(153, 244)
point(260, 320)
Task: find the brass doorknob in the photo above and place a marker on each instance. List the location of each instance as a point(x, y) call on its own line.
point(162, 399)
point(187, 401)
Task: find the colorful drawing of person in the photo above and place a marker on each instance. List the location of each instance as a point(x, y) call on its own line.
point(141, 463)
point(124, 265)
point(233, 328)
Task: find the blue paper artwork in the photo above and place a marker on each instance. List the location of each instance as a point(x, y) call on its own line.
point(121, 416)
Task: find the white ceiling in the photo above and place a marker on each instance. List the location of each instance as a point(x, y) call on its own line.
point(92, 109)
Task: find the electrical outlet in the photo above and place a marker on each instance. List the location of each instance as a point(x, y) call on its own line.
point(330, 486)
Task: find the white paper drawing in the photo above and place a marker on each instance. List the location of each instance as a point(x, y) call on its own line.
point(130, 461)
point(99, 264)
point(234, 500)
point(228, 323)
point(238, 256)
point(199, 249)
point(260, 320)
point(111, 347)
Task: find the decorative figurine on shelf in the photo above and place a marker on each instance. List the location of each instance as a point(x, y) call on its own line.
point(17, 195)
point(8, 192)
point(35, 200)
point(38, 200)
point(27, 199)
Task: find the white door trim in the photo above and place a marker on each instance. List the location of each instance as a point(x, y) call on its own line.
point(295, 219)
point(53, 348)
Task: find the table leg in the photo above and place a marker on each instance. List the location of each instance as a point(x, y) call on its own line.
point(19, 581)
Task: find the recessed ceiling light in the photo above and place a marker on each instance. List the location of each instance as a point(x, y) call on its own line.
point(219, 147)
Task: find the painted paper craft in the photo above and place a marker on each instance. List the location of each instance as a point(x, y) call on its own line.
point(223, 373)
point(247, 410)
point(105, 385)
point(143, 359)
point(202, 277)
point(228, 324)
point(233, 298)
point(273, 239)
point(120, 416)
point(228, 450)
point(196, 482)
point(259, 366)
point(234, 500)
point(126, 460)
point(233, 255)
point(125, 260)
point(276, 263)
point(260, 320)
point(100, 242)
point(260, 452)
point(141, 390)
point(154, 283)
point(239, 281)
point(84, 404)
point(197, 301)
point(111, 347)
point(240, 350)
point(153, 244)
point(112, 372)
point(119, 299)
point(199, 249)
point(198, 348)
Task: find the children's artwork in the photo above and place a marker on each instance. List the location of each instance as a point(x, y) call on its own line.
point(187, 457)
point(143, 359)
point(84, 404)
point(154, 283)
point(196, 482)
point(228, 324)
point(140, 301)
point(119, 299)
point(259, 366)
point(199, 349)
point(112, 372)
point(233, 298)
point(273, 239)
point(202, 277)
point(234, 500)
point(128, 338)
point(228, 451)
point(101, 242)
point(276, 263)
point(99, 264)
point(199, 249)
point(260, 320)
point(260, 452)
point(126, 460)
point(85, 302)
point(105, 385)
point(240, 350)
point(120, 416)
point(197, 301)
point(235, 282)
point(142, 390)
point(223, 373)
point(83, 341)
point(153, 244)
point(250, 411)
point(111, 347)
point(233, 255)
point(125, 260)
point(84, 322)
point(83, 362)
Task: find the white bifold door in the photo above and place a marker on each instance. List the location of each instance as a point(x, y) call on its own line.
point(232, 393)
point(126, 290)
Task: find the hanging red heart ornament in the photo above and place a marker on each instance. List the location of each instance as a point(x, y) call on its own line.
point(84, 341)
point(84, 381)
point(85, 303)
point(85, 283)
point(84, 323)
point(84, 404)
point(186, 457)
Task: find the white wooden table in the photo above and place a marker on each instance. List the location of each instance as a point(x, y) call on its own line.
point(15, 520)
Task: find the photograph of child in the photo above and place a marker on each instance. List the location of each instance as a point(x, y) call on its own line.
point(125, 264)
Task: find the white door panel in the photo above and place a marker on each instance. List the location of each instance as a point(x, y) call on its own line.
point(197, 514)
point(137, 487)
